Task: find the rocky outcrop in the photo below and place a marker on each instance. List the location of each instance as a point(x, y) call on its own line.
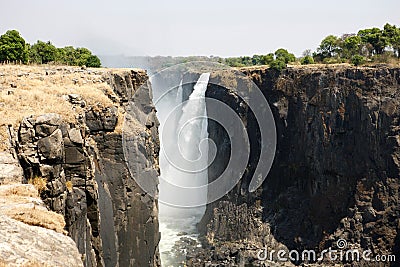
point(53, 150)
point(30, 234)
point(25, 245)
point(86, 175)
point(336, 169)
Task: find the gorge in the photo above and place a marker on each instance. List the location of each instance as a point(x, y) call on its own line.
point(334, 175)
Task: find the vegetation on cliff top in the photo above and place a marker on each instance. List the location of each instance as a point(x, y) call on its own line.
point(13, 48)
point(368, 45)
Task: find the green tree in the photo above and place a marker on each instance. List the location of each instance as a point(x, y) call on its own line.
point(283, 55)
point(256, 60)
point(13, 47)
point(307, 60)
point(351, 46)
point(82, 55)
point(329, 47)
point(392, 33)
point(267, 59)
point(93, 62)
point(376, 38)
point(42, 52)
point(278, 64)
point(357, 60)
point(67, 55)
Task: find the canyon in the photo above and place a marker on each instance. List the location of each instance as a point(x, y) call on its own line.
point(334, 175)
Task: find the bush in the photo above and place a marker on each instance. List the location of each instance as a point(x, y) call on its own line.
point(69, 186)
point(283, 55)
point(358, 60)
point(277, 64)
point(307, 60)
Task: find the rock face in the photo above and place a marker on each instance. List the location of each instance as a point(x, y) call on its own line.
point(30, 234)
point(25, 245)
point(335, 173)
point(111, 219)
point(47, 151)
point(10, 169)
point(132, 239)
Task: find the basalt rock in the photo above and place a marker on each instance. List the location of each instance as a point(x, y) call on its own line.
point(111, 219)
point(336, 169)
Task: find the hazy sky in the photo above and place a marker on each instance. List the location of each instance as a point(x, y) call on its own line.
point(179, 27)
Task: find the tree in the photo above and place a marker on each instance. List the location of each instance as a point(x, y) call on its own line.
point(357, 60)
point(307, 52)
point(283, 55)
point(93, 62)
point(42, 52)
point(66, 55)
point(13, 47)
point(307, 60)
point(351, 46)
point(278, 65)
point(392, 33)
point(267, 59)
point(328, 47)
point(374, 37)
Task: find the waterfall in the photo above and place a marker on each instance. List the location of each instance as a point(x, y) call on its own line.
point(183, 163)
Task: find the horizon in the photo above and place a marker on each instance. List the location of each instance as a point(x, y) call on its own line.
point(178, 28)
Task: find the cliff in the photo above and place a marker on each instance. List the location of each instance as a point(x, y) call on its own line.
point(336, 169)
point(64, 129)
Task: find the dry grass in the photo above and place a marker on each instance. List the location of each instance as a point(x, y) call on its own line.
point(22, 202)
point(19, 191)
point(39, 217)
point(27, 264)
point(69, 185)
point(39, 183)
point(35, 90)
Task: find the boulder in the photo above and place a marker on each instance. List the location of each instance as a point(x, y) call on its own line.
point(22, 244)
point(52, 147)
point(75, 136)
point(46, 124)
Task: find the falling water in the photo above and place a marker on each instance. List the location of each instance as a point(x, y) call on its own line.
point(184, 128)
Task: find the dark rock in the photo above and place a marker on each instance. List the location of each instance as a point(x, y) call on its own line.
point(46, 124)
point(336, 169)
point(52, 147)
point(104, 120)
point(74, 155)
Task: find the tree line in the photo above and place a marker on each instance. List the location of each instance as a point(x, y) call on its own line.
point(368, 45)
point(13, 48)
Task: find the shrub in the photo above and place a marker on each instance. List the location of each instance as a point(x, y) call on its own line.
point(277, 64)
point(69, 185)
point(283, 55)
point(358, 60)
point(307, 60)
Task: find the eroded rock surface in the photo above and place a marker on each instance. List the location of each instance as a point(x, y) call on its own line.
point(85, 173)
point(335, 173)
point(22, 244)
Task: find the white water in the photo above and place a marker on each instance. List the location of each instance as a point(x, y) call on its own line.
point(183, 132)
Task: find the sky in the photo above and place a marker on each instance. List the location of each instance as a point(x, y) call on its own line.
point(183, 28)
